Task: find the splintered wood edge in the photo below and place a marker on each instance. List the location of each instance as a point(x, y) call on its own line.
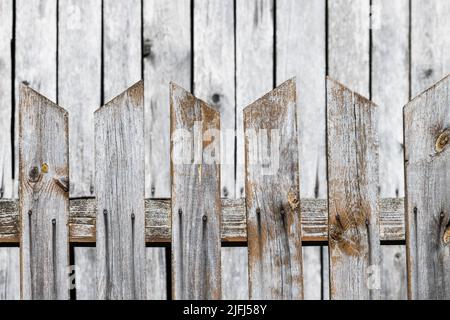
point(234, 227)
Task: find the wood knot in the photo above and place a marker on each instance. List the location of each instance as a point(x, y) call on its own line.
point(33, 174)
point(293, 200)
point(44, 168)
point(442, 141)
point(446, 236)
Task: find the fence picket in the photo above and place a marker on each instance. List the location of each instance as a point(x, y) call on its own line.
point(196, 206)
point(119, 164)
point(352, 162)
point(427, 212)
point(44, 198)
point(273, 217)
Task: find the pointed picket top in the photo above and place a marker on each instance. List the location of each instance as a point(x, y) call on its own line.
point(427, 212)
point(25, 91)
point(286, 90)
point(444, 81)
point(135, 93)
point(345, 89)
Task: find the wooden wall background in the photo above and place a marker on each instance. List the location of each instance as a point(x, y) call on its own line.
point(81, 53)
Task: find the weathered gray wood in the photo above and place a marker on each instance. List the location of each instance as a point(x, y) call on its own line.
point(430, 43)
point(156, 273)
point(79, 85)
point(166, 57)
point(121, 45)
point(273, 200)
point(214, 75)
point(348, 43)
point(196, 207)
point(427, 164)
point(119, 167)
point(234, 273)
point(35, 53)
point(43, 197)
point(390, 65)
point(234, 227)
point(79, 75)
point(9, 277)
point(352, 164)
point(6, 182)
point(300, 52)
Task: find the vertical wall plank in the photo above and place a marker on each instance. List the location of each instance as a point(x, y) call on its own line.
point(430, 43)
point(79, 75)
point(195, 152)
point(167, 57)
point(9, 277)
point(300, 52)
point(35, 51)
point(121, 45)
point(390, 65)
point(348, 43)
point(272, 189)
point(214, 75)
point(43, 197)
point(352, 163)
point(119, 167)
point(6, 23)
point(427, 162)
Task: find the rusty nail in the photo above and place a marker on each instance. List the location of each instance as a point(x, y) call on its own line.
point(204, 218)
point(258, 211)
point(415, 210)
point(30, 212)
point(53, 221)
point(132, 216)
point(180, 211)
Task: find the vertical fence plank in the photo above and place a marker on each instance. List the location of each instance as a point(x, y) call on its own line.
point(43, 197)
point(430, 43)
point(79, 75)
point(119, 164)
point(300, 52)
point(352, 162)
point(9, 277)
point(390, 65)
point(272, 189)
point(195, 152)
point(427, 161)
point(214, 75)
point(6, 22)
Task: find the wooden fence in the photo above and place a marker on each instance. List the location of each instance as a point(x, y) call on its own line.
point(273, 221)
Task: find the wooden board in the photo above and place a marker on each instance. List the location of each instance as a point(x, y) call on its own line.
point(9, 277)
point(300, 52)
point(430, 43)
point(44, 197)
point(348, 43)
point(196, 207)
point(214, 75)
point(427, 160)
point(166, 57)
point(390, 65)
point(6, 156)
point(119, 167)
point(352, 164)
point(272, 189)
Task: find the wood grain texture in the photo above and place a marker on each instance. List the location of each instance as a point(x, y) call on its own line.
point(121, 45)
point(234, 226)
point(214, 75)
point(348, 43)
point(430, 43)
point(196, 207)
point(43, 197)
point(234, 273)
point(119, 167)
point(79, 71)
point(272, 189)
point(300, 52)
point(427, 163)
point(35, 53)
point(9, 277)
point(85, 273)
point(390, 65)
point(166, 57)
point(6, 156)
point(352, 164)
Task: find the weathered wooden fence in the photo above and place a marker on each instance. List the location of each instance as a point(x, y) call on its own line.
point(272, 220)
